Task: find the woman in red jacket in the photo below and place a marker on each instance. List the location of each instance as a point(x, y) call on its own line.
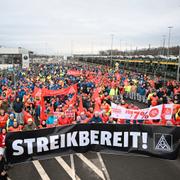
point(63, 120)
point(104, 117)
point(2, 140)
point(154, 99)
point(16, 127)
point(3, 118)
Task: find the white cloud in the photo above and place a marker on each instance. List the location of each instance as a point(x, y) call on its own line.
point(59, 22)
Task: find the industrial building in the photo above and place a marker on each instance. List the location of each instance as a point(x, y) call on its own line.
point(15, 56)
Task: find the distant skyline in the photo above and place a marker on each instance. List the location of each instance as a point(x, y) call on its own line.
point(85, 26)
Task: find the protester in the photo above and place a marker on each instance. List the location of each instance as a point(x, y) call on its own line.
point(111, 121)
point(104, 117)
point(43, 125)
point(154, 99)
point(30, 125)
point(15, 127)
point(18, 108)
point(97, 87)
point(96, 118)
point(3, 173)
point(52, 120)
point(63, 120)
point(3, 118)
point(106, 107)
point(2, 140)
point(10, 121)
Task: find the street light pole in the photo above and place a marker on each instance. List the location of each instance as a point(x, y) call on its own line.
point(169, 40)
point(168, 51)
point(164, 41)
point(120, 46)
point(178, 66)
point(14, 73)
point(112, 37)
point(71, 48)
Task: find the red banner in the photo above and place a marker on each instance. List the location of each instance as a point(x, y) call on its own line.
point(74, 73)
point(69, 90)
point(45, 92)
point(37, 92)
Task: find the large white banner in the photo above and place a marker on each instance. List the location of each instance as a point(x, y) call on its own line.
point(156, 112)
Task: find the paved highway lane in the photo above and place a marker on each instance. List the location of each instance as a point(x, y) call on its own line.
point(127, 167)
point(91, 166)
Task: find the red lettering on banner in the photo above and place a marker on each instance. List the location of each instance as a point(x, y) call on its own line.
point(167, 111)
point(136, 114)
point(144, 114)
point(153, 112)
point(74, 73)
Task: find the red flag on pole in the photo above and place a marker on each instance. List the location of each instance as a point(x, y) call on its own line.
point(80, 108)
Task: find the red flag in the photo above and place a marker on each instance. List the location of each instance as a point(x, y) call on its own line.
point(97, 99)
point(45, 92)
point(80, 108)
point(27, 116)
point(95, 95)
point(37, 92)
point(42, 114)
point(8, 93)
point(97, 107)
point(74, 73)
point(71, 89)
point(72, 101)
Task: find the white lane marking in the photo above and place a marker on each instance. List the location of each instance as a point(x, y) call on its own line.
point(103, 166)
point(91, 165)
point(66, 167)
point(41, 170)
point(72, 166)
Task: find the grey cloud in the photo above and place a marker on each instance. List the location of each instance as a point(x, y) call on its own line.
point(59, 22)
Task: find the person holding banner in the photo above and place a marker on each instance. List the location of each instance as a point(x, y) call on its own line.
point(2, 140)
point(177, 118)
point(106, 107)
point(111, 120)
point(104, 116)
point(154, 99)
point(15, 127)
point(83, 118)
point(10, 121)
point(96, 118)
point(63, 120)
point(3, 172)
point(30, 125)
point(43, 125)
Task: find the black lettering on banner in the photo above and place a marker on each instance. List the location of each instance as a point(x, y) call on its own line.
point(149, 140)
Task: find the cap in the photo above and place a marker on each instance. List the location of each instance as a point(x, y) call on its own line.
point(11, 115)
point(30, 120)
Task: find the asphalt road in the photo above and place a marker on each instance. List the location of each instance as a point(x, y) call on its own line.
point(107, 166)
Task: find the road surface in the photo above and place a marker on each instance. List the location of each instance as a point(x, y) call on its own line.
point(96, 166)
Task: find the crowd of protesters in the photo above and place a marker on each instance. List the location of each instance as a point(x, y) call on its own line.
point(97, 87)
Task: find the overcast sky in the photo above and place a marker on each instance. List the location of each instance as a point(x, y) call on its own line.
point(66, 26)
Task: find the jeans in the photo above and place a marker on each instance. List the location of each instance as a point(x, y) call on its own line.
point(19, 118)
